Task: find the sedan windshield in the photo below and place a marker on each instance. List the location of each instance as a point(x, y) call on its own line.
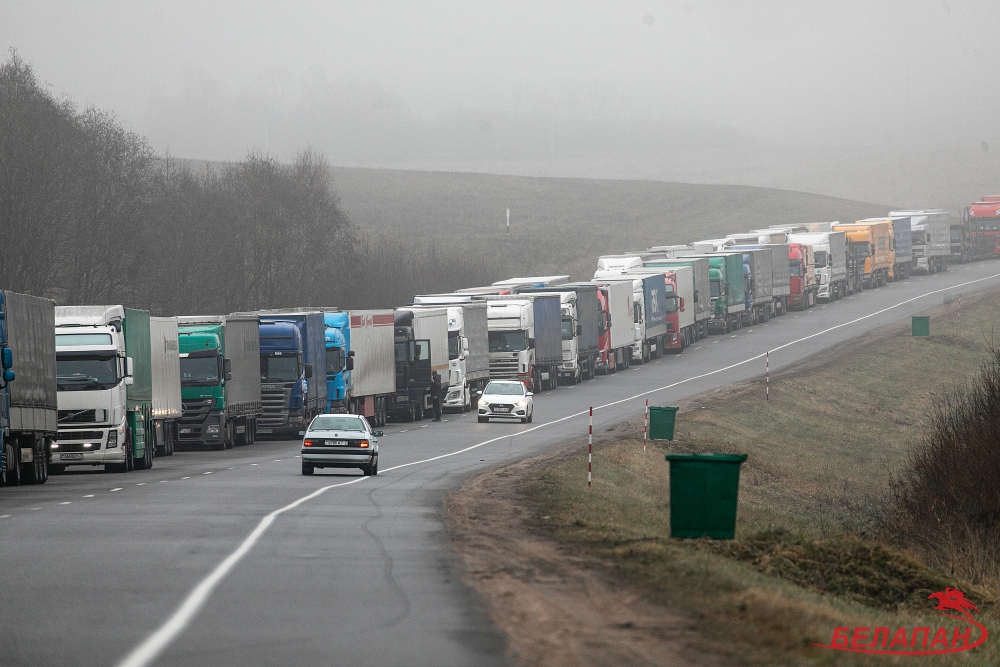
point(336, 423)
point(505, 389)
point(80, 372)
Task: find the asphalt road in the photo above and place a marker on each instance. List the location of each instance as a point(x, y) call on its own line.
point(188, 564)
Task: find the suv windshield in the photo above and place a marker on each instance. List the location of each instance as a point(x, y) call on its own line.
point(80, 372)
point(506, 341)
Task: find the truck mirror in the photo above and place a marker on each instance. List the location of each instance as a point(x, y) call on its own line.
point(351, 353)
point(8, 375)
point(682, 303)
point(696, 296)
point(227, 368)
point(8, 358)
point(128, 367)
point(309, 370)
point(579, 329)
point(350, 363)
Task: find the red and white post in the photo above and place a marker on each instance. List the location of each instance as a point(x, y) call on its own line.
point(590, 445)
point(767, 375)
point(645, 426)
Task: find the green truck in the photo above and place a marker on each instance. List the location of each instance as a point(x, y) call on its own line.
point(104, 379)
point(728, 285)
point(220, 379)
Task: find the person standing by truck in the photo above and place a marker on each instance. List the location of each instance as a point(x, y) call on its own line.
point(436, 390)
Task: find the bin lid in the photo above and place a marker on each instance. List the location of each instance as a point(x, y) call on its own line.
point(716, 457)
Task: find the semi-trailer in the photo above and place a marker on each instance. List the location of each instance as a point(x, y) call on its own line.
point(581, 319)
point(468, 347)
point(701, 286)
point(29, 410)
point(104, 378)
point(803, 285)
point(420, 336)
point(878, 236)
point(292, 352)
point(220, 374)
point(678, 294)
point(649, 296)
point(166, 362)
point(364, 361)
point(728, 290)
point(830, 257)
point(902, 247)
point(780, 273)
point(618, 337)
point(982, 220)
point(930, 232)
point(525, 335)
point(761, 285)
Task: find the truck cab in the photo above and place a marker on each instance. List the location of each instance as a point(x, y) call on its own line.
point(284, 377)
point(802, 276)
point(339, 360)
point(413, 370)
point(203, 371)
point(93, 374)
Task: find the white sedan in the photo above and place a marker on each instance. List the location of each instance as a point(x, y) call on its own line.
point(506, 398)
point(340, 441)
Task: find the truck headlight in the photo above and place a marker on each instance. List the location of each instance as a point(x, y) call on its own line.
point(112, 439)
point(212, 429)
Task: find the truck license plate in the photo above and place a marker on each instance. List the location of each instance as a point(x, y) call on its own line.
point(265, 430)
point(71, 457)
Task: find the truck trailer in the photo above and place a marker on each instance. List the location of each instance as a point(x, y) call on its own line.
point(525, 334)
point(371, 364)
point(581, 319)
point(930, 232)
point(166, 362)
point(618, 337)
point(701, 287)
point(830, 257)
point(28, 392)
point(420, 336)
point(728, 290)
point(220, 373)
point(877, 234)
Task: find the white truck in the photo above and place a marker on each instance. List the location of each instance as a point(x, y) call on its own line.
point(648, 306)
point(580, 309)
point(104, 381)
point(830, 253)
point(619, 337)
point(525, 335)
point(931, 234)
point(371, 381)
point(166, 364)
point(468, 347)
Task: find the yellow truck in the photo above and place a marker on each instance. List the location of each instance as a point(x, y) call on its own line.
point(874, 238)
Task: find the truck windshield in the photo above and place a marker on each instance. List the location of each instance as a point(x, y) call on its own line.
point(820, 259)
point(672, 302)
point(567, 328)
point(82, 372)
point(453, 344)
point(200, 371)
point(716, 290)
point(334, 361)
point(793, 268)
point(279, 369)
point(507, 341)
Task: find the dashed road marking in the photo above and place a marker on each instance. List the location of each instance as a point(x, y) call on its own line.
point(185, 478)
point(207, 473)
point(141, 484)
point(4, 516)
point(118, 488)
point(66, 502)
point(89, 495)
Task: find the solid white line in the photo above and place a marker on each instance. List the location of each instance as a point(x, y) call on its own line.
point(151, 648)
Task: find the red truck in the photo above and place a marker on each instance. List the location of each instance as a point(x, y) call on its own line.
point(802, 268)
point(982, 220)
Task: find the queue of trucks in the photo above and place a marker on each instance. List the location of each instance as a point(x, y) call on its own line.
point(113, 386)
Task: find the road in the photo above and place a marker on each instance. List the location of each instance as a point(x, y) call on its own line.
point(188, 564)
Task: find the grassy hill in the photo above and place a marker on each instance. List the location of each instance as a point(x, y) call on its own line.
point(561, 225)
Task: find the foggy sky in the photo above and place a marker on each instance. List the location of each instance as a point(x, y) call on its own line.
point(406, 79)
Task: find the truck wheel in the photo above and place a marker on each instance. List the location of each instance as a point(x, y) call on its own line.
point(129, 453)
point(33, 473)
point(10, 473)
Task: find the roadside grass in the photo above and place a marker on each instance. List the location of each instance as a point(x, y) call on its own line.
point(806, 558)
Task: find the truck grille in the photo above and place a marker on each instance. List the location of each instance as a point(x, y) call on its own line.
point(275, 402)
point(94, 436)
point(79, 416)
point(195, 413)
point(504, 369)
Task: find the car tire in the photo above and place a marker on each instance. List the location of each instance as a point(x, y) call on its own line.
point(531, 416)
point(375, 467)
point(308, 468)
point(367, 470)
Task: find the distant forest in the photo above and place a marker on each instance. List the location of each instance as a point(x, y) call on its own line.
point(90, 214)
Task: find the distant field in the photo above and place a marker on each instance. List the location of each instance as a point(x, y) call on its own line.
point(561, 225)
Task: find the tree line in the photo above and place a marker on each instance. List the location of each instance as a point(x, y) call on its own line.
point(89, 214)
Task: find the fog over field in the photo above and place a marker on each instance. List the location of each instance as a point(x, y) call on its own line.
point(887, 101)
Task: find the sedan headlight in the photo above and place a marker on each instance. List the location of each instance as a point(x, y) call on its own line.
point(483, 402)
point(520, 404)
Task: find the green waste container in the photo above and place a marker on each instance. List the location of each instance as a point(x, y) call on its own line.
point(703, 494)
point(921, 325)
point(661, 423)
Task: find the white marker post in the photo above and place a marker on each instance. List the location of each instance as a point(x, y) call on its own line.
point(590, 445)
point(767, 375)
point(645, 426)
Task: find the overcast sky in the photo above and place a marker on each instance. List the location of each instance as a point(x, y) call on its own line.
point(797, 72)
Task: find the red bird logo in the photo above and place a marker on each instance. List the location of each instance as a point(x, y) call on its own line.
point(952, 599)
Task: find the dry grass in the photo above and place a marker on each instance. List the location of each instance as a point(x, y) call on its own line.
point(821, 452)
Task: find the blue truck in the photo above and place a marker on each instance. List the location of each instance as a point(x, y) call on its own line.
point(28, 392)
point(292, 370)
point(339, 359)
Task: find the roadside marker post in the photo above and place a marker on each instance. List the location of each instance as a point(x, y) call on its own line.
point(645, 426)
point(590, 445)
point(767, 375)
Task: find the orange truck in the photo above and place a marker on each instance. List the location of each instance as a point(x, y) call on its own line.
point(875, 237)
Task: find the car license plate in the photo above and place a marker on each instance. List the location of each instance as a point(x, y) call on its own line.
point(71, 457)
point(501, 409)
point(186, 430)
point(335, 443)
point(265, 430)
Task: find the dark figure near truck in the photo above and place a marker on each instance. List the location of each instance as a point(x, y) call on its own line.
point(436, 398)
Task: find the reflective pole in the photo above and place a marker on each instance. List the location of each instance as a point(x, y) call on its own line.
point(590, 446)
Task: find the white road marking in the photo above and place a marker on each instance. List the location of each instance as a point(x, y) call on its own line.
point(4, 516)
point(91, 495)
point(162, 481)
point(35, 508)
point(117, 489)
point(153, 646)
point(185, 478)
point(233, 467)
point(253, 464)
point(141, 484)
point(66, 502)
point(207, 473)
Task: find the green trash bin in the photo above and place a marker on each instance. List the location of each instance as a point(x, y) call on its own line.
point(921, 325)
point(703, 494)
point(661, 423)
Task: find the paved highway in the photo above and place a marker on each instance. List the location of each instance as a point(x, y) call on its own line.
point(234, 558)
